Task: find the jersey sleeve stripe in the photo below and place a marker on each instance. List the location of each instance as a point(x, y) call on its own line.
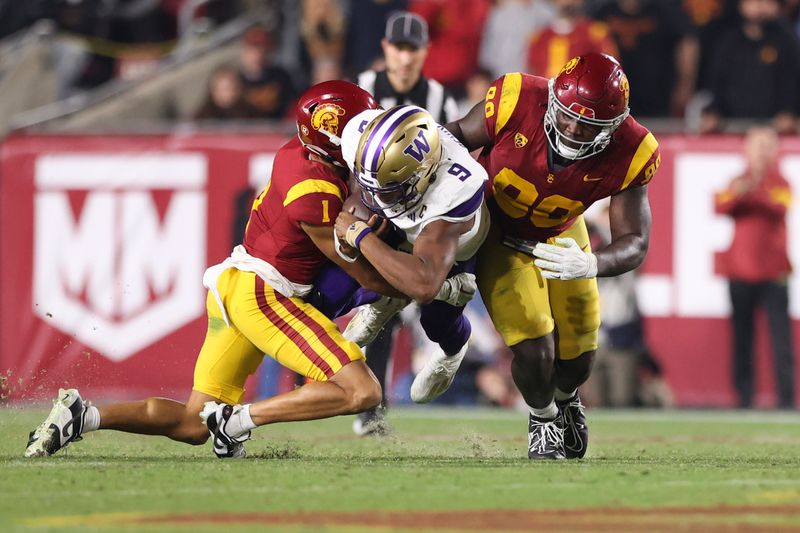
point(509, 96)
point(468, 207)
point(647, 147)
point(305, 187)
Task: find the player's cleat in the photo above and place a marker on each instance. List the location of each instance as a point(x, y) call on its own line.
point(436, 376)
point(372, 423)
point(370, 319)
point(572, 419)
point(545, 439)
point(216, 416)
point(63, 425)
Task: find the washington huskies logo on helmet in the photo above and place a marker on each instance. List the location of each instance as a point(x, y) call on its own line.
point(326, 117)
point(419, 147)
point(397, 154)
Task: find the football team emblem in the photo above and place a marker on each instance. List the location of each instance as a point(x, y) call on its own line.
point(570, 66)
point(520, 140)
point(326, 117)
point(625, 87)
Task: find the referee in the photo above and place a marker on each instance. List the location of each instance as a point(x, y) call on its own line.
point(405, 47)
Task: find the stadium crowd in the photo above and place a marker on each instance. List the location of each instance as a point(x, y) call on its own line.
point(676, 53)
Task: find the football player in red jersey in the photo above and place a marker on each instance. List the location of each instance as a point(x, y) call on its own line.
point(552, 148)
point(257, 304)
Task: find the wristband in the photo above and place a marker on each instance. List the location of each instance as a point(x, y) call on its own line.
point(356, 232)
point(340, 252)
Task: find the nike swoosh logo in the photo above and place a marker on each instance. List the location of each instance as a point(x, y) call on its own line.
point(588, 178)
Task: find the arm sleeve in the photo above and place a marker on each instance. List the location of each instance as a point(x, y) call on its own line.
point(501, 101)
point(314, 201)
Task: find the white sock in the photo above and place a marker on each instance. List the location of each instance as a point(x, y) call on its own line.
point(548, 413)
point(561, 395)
point(240, 421)
point(91, 420)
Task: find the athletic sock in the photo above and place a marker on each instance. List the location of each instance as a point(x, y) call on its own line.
point(240, 421)
point(547, 413)
point(91, 420)
point(563, 396)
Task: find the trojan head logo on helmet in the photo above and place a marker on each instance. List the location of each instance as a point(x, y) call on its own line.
point(322, 113)
point(393, 155)
point(590, 96)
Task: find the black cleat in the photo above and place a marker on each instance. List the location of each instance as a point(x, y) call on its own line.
point(545, 438)
point(216, 416)
point(572, 419)
point(63, 425)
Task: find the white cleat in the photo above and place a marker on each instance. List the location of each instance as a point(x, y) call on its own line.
point(370, 319)
point(436, 376)
point(216, 416)
point(63, 425)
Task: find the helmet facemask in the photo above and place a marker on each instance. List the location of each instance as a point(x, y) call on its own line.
point(568, 147)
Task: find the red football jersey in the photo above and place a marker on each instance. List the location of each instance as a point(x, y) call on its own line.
point(549, 51)
point(531, 201)
point(301, 190)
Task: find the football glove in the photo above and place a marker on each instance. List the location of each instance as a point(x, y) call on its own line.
point(458, 290)
point(565, 260)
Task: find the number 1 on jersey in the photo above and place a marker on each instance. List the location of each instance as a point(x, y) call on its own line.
point(325, 215)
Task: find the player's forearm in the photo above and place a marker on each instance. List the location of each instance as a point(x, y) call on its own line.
point(624, 254)
point(407, 273)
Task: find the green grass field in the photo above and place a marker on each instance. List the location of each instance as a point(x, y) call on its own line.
point(441, 470)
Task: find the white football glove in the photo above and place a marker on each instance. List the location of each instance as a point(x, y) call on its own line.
point(458, 290)
point(565, 261)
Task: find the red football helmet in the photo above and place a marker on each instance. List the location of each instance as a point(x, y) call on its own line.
point(322, 113)
point(592, 90)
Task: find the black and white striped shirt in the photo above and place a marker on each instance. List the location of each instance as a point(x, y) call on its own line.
point(427, 94)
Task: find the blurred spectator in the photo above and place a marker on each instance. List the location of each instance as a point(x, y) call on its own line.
point(625, 374)
point(709, 17)
point(757, 265)
point(322, 32)
point(268, 88)
point(365, 29)
point(456, 29)
point(504, 45)
point(225, 99)
point(570, 34)
point(659, 52)
point(476, 88)
point(405, 47)
point(755, 69)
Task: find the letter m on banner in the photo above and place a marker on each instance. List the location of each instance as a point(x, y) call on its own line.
point(120, 246)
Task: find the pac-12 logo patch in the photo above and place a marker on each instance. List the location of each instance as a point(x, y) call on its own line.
point(520, 140)
point(326, 117)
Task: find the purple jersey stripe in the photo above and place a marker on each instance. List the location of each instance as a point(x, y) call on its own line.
point(467, 207)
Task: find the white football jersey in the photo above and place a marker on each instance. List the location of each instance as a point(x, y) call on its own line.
point(455, 193)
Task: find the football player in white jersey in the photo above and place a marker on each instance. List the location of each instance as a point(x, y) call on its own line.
point(414, 173)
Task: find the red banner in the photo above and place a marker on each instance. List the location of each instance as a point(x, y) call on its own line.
point(104, 239)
